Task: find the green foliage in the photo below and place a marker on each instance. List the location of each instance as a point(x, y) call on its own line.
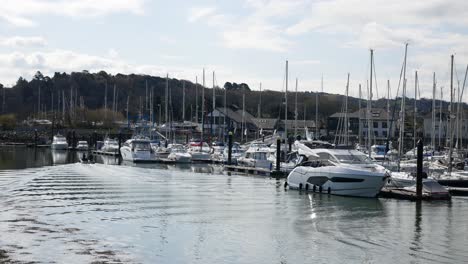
point(8, 122)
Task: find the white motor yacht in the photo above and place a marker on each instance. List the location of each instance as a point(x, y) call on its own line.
point(59, 142)
point(236, 153)
point(256, 156)
point(110, 145)
point(82, 145)
point(160, 152)
point(178, 154)
point(340, 172)
point(200, 151)
point(137, 150)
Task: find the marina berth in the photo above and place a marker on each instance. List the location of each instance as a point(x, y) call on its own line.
point(82, 145)
point(137, 150)
point(110, 145)
point(59, 142)
point(339, 172)
point(178, 154)
point(200, 151)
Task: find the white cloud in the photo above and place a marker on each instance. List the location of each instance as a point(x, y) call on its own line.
point(20, 13)
point(21, 41)
point(198, 13)
point(258, 29)
point(305, 62)
point(24, 64)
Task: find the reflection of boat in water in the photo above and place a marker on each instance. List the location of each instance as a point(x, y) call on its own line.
point(106, 159)
point(59, 156)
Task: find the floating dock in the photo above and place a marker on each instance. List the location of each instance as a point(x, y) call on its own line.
point(458, 191)
point(405, 194)
point(105, 153)
point(247, 170)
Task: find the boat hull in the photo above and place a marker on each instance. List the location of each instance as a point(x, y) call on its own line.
point(338, 181)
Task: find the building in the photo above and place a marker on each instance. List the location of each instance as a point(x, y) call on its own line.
point(215, 121)
point(440, 130)
point(381, 121)
point(270, 125)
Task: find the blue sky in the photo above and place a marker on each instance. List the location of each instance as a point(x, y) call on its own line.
point(243, 41)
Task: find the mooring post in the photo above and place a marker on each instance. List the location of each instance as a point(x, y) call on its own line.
point(290, 141)
point(73, 139)
point(120, 142)
point(35, 137)
point(229, 148)
point(419, 170)
point(186, 139)
point(95, 139)
point(278, 154)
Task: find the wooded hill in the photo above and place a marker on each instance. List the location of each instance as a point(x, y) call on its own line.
point(88, 90)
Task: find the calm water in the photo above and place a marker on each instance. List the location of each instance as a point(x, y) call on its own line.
point(79, 213)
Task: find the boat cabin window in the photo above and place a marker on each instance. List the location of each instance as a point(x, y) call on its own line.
point(353, 158)
point(141, 146)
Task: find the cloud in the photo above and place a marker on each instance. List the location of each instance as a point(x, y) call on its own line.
point(25, 64)
point(198, 13)
point(256, 36)
point(305, 62)
point(20, 13)
point(21, 41)
point(256, 28)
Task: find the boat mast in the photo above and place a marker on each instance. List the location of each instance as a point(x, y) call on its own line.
point(196, 99)
point(388, 109)
point(460, 112)
point(203, 109)
point(369, 105)
point(286, 105)
point(183, 100)
point(450, 118)
point(243, 116)
point(360, 117)
point(295, 113)
point(128, 121)
point(433, 111)
point(146, 95)
point(259, 111)
point(225, 113)
point(461, 105)
point(415, 111)
point(346, 130)
point(316, 110)
point(440, 115)
point(402, 118)
point(105, 101)
point(166, 103)
point(214, 106)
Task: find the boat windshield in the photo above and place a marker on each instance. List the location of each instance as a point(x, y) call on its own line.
point(353, 158)
point(257, 155)
point(59, 139)
point(177, 149)
point(141, 146)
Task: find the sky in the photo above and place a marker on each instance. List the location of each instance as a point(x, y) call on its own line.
point(242, 41)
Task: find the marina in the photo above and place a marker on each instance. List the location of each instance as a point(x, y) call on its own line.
point(242, 131)
point(146, 213)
